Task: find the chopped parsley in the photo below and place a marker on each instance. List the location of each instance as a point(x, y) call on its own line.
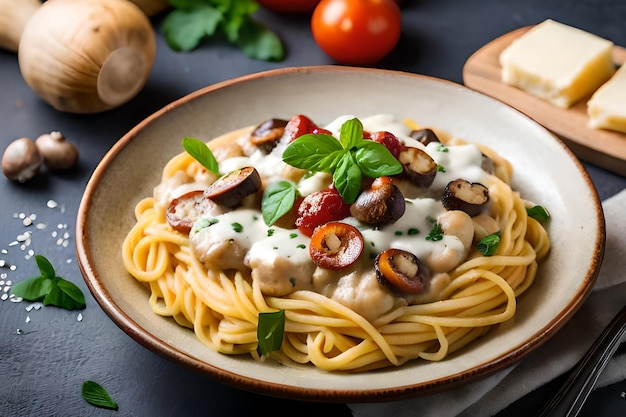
point(436, 233)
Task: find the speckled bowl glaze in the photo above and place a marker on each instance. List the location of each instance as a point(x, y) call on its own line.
point(545, 172)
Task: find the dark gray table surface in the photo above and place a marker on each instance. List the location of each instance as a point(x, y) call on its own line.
point(46, 354)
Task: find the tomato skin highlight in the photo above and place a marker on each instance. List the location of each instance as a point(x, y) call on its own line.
point(320, 207)
point(299, 125)
point(289, 6)
point(335, 245)
point(356, 32)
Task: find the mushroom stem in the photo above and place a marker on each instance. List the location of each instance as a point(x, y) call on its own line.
point(15, 14)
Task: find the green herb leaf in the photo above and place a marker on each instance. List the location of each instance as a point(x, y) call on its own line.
point(32, 289)
point(194, 21)
point(202, 153)
point(489, 244)
point(45, 267)
point(348, 158)
point(278, 199)
point(73, 292)
point(318, 153)
point(256, 41)
point(270, 331)
point(53, 290)
point(185, 29)
point(351, 133)
point(96, 395)
point(375, 160)
point(347, 179)
point(538, 213)
point(436, 233)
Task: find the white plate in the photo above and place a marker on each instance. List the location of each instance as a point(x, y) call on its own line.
point(545, 172)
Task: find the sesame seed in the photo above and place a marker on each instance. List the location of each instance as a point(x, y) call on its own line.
point(51, 204)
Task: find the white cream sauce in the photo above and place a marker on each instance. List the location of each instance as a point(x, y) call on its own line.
point(258, 244)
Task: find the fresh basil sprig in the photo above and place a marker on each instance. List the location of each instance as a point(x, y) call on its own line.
point(347, 159)
point(50, 288)
point(194, 21)
point(278, 199)
point(270, 331)
point(202, 153)
point(96, 395)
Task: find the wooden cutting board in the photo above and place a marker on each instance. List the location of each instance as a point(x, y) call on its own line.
point(602, 147)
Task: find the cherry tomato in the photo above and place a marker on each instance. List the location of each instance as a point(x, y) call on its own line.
point(297, 126)
point(319, 208)
point(389, 141)
point(356, 32)
point(290, 6)
point(335, 245)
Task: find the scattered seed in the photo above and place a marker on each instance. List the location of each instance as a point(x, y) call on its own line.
point(51, 204)
point(79, 317)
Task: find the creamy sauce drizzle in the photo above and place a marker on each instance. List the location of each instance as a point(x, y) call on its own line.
point(263, 245)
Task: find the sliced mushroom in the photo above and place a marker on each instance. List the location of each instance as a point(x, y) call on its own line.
point(470, 197)
point(335, 245)
point(425, 136)
point(268, 134)
point(418, 166)
point(231, 188)
point(382, 203)
point(183, 211)
point(402, 271)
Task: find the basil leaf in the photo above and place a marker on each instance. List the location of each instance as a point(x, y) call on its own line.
point(256, 41)
point(351, 133)
point(538, 213)
point(375, 160)
point(270, 331)
point(184, 29)
point(96, 395)
point(32, 289)
point(202, 153)
point(489, 244)
point(313, 152)
point(278, 199)
point(347, 178)
point(45, 267)
point(72, 291)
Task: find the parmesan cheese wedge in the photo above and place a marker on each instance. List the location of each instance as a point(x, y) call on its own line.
point(558, 63)
point(607, 107)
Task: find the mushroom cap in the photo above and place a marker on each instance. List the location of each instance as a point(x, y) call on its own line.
point(87, 56)
point(21, 160)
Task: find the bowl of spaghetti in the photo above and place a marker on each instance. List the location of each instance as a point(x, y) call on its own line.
point(437, 294)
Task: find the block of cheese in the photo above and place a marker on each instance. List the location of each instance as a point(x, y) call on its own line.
point(607, 107)
point(557, 62)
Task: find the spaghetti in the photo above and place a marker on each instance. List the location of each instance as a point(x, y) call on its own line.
point(222, 306)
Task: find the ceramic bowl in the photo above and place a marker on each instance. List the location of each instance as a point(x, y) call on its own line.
point(545, 171)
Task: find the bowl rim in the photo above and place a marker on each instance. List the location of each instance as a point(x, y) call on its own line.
point(160, 347)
